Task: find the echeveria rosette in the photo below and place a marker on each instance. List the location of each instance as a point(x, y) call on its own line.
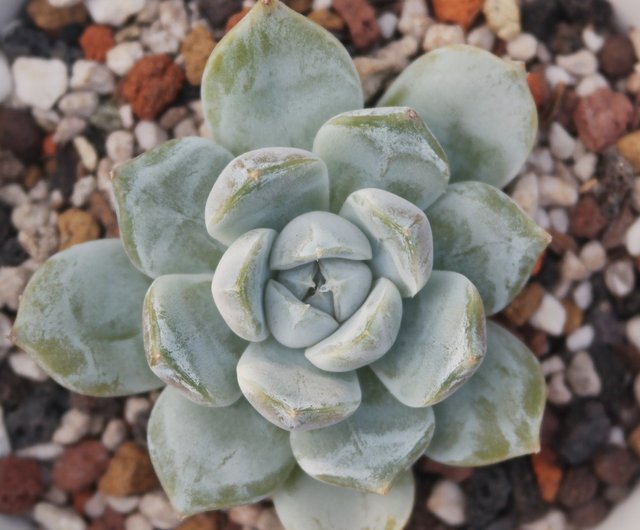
point(313, 289)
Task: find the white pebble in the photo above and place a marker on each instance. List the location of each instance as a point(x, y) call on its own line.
point(64, 3)
point(53, 518)
point(559, 219)
point(44, 452)
point(56, 496)
point(157, 508)
point(122, 57)
point(550, 316)
point(580, 63)
point(553, 520)
point(87, 153)
point(620, 277)
point(68, 128)
point(541, 159)
point(581, 338)
point(523, 48)
point(557, 75)
point(561, 142)
point(126, 116)
point(414, 19)
point(113, 12)
point(149, 134)
point(93, 76)
point(632, 238)
point(582, 376)
point(525, 193)
point(82, 104)
point(24, 365)
point(75, 425)
point(114, 434)
point(245, 514)
point(39, 82)
point(583, 295)
point(323, 4)
point(633, 331)
point(123, 504)
point(555, 191)
point(503, 17)
point(481, 37)
point(137, 521)
point(557, 391)
point(6, 84)
point(594, 256)
point(5, 442)
point(447, 502)
point(95, 506)
point(82, 190)
point(12, 282)
point(592, 40)
point(387, 22)
point(585, 166)
point(120, 146)
point(590, 84)
point(552, 365)
point(186, 127)
point(572, 268)
point(133, 407)
point(439, 35)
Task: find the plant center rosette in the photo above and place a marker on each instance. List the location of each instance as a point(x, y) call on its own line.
point(313, 286)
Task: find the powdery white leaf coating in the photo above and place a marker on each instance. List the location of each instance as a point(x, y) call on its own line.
point(79, 317)
point(399, 233)
point(161, 195)
point(387, 148)
point(497, 414)
point(210, 458)
point(478, 106)
point(349, 283)
point(318, 235)
point(480, 232)
point(293, 323)
point(441, 343)
point(265, 188)
point(304, 503)
point(188, 344)
point(366, 336)
point(239, 282)
point(322, 300)
point(369, 449)
point(274, 79)
point(299, 280)
point(290, 392)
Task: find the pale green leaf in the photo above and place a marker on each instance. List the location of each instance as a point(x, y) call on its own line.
point(210, 458)
point(386, 148)
point(292, 393)
point(307, 504)
point(480, 232)
point(369, 449)
point(161, 196)
point(80, 317)
point(478, 106)
point(188, 345)
point(299, 280)
point(497, 414)
point(441, 343)
point(348, 282)
point(274, 79)
point(265, 188)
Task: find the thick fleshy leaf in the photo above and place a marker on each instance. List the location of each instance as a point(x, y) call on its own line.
point(399, 233)
point(210, 458)
point(300, 280)
point(265, 188)
point(307, 504)
point(497, 414)
point(294, 323)
point(366, 336)
point(188, 345)
point(369, 449)
point(480, 232)
point(290, 392)
point(478, 106)
point(441, 343)
point(239, 281)
point(318, 235)
point(80, 318)
point(322, 300)
point(386, 148)
point(349, 283)
point(161, 196)
point(274, 79)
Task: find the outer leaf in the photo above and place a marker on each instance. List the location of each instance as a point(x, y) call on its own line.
point(274, 79)
point(478, 106)
point(318, 235)
point(348, 282)
point(366, 336)
point(80, 319)
point(480, 232)
point(369, 449)
point(441, 343)
point(389, 148)
point(161, 196)
point(209, 458)
point(307, 504)
point(497, 414)
point(265, 188)
point(290, 392)
point(399, 233)
point(188, 344)
point(239, 281)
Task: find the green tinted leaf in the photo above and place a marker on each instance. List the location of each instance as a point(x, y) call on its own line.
point(81, 318)
point(497, 414)
point(161, 196)
point(307, 504)
point(478, 106)
point(210, 458)
point(274, 79)
point(369, 449)
point(188, 345)
point(292, 393)
point(388, 148)
point(480, 232)
point(441, 343)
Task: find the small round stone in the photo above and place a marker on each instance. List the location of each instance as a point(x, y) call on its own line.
point(620, 277)
point(447, 502)
point(582, 376)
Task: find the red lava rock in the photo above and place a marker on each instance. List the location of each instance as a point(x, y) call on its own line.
point(110, 520)
point(601, 118)
point(235, 18)
point(586, 218)
point(461, 12)
point(457, 474)
point(80, 466)
point(617, 56)
point(548, 474)
point(96, 41)
point(20, 484)
point(80, 499)
point(539, 87)
point(525, 304)
point(578, 487)
point(616, 466)
point(20, 134)
point(129, 473)
point(151, 85)
point(361, 20)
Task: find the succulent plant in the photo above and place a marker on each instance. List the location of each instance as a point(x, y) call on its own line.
point(313, 287)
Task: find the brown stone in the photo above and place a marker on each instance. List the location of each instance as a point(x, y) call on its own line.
point(578, 487)
point(617, 56)
point(20, 484)
point(101, 210)
point(454, 473)
point(614, 235)
point(204, 521)
point(109, 520)
point(96, 41)
point(461, 12)
point(587, 220)
point(539, 86)
point(574, 317)
point(50, 18)
point(301, 6)
point(561, 243)
point(20, 134)
point(361, 21)
point(235, 18)
point(548, 474)
point(129, 473)
point(525, 304)
point(590, 514)
point(601, 118)
point(196, 48)
point(634, 440)
point(80, 466)
point(629, 147)
point(76, 226)
point(615, 466)
point(327, 19)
